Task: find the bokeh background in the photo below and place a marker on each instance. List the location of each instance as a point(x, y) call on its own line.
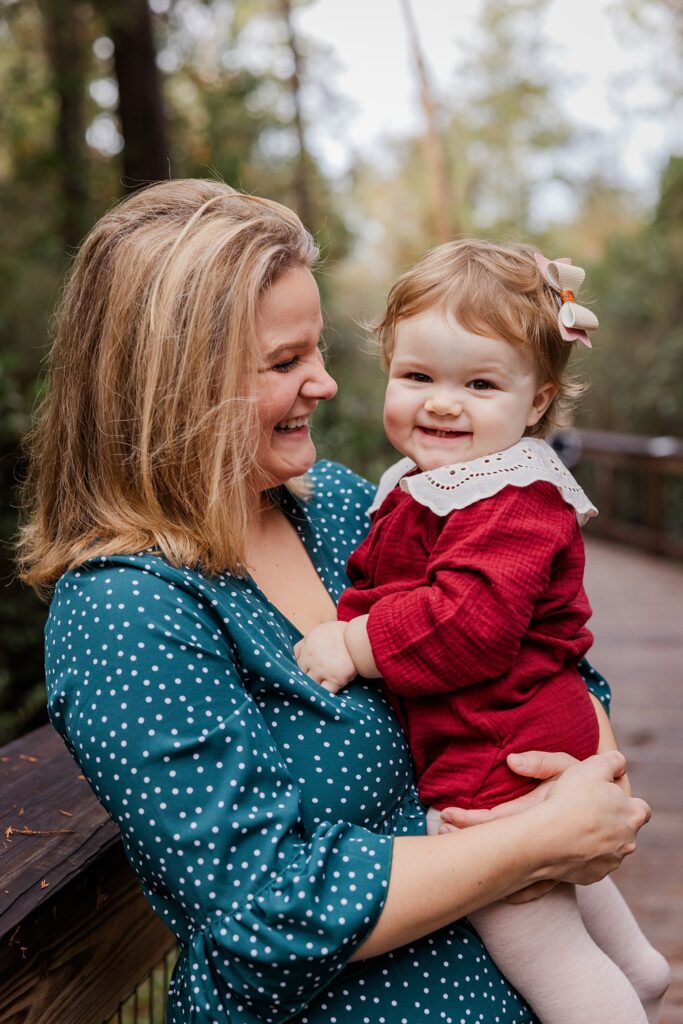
point(390, 128)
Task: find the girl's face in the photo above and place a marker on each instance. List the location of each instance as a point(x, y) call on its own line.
point(292, 378)
point(453, 396)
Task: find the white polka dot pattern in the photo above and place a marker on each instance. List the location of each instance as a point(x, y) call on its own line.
point(256, 808)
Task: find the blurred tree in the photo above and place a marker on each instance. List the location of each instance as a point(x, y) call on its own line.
point(145, 154)
point(302, 162)
point(637, 365)
point(506, 137)
point(510, 132)
point(433, 144)
point(295, 70)
point(659, 23)
point(66, 45)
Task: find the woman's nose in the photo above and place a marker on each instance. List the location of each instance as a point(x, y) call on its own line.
point(319, 385)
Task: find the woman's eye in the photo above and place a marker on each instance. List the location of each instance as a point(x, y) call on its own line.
point(481, 385)
point(285, 367)
point(420, 378)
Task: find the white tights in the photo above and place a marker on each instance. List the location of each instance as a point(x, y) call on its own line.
point(577, 954)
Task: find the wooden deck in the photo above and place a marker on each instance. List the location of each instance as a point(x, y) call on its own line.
point(638, 624)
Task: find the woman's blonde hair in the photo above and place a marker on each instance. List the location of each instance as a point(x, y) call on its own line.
point(492, 290)
point(146, 436)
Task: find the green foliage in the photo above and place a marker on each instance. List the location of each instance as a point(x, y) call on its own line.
point(637, 369)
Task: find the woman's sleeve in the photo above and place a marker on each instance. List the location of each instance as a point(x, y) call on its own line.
point(144, 687)
point(596, 683)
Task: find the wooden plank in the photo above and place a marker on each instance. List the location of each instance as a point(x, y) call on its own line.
point(637, 601)
point(75, 931)
point(51, 823)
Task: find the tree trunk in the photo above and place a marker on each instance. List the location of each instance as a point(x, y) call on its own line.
point(65, 45)
point(141, 108)
point(435, 156)
point(302, 184)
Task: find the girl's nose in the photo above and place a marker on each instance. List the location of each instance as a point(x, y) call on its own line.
point(443, 405)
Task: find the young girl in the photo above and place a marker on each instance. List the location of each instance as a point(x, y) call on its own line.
point(468, 596)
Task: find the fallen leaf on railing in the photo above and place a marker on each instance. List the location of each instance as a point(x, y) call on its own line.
point(44, 883)
point(29, 758)
point(67, 814)
point(12, 831)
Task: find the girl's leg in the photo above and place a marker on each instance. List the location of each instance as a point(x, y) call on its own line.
point(613, 927)
point(545, 951)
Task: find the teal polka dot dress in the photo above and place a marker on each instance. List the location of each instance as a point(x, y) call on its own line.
point(256, 808)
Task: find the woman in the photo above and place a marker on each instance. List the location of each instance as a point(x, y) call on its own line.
point(258, 810)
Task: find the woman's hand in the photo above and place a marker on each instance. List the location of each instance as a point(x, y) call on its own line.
point(533, 764)
point(580, 832)
point(596, 824)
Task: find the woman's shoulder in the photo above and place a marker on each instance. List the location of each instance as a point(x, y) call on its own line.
point(111, 579)
point(336, 488)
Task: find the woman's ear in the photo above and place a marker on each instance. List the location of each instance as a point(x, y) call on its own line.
point(542, 399)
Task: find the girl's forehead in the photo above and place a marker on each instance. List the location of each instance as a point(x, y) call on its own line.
point(437, 329)
point(438, 338)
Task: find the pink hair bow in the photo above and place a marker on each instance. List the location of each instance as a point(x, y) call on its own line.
point(573, 320)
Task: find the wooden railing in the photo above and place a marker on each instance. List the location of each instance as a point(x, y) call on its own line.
point(637, 484)
point(76, 935)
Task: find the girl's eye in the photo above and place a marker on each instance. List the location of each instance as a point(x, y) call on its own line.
point(481, 385)
point(420, 378)
point(285, 367)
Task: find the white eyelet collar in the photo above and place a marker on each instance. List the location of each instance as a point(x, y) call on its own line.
point(463, 483)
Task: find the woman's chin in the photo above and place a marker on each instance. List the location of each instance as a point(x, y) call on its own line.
point(279, 471)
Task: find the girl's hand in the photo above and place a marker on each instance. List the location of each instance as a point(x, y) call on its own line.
point(323, 656)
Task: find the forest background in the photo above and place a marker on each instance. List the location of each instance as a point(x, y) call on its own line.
point(99, 98)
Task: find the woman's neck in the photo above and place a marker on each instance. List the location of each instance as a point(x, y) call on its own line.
point(263, 512)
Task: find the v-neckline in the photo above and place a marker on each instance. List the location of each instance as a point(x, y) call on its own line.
point(295, 512)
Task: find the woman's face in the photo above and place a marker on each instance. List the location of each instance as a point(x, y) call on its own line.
point(292, 378)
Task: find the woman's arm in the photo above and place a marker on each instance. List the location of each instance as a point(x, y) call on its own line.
point(146, 687)
point(580, 832)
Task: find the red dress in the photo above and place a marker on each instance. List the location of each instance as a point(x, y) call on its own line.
point(477, 620)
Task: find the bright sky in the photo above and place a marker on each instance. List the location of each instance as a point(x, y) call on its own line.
point(605, 87)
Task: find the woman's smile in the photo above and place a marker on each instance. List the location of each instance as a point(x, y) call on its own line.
point(296, 427)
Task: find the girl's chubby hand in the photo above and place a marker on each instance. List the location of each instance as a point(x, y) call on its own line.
point(324, 657)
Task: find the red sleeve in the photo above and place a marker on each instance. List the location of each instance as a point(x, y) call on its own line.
point(486, 572)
